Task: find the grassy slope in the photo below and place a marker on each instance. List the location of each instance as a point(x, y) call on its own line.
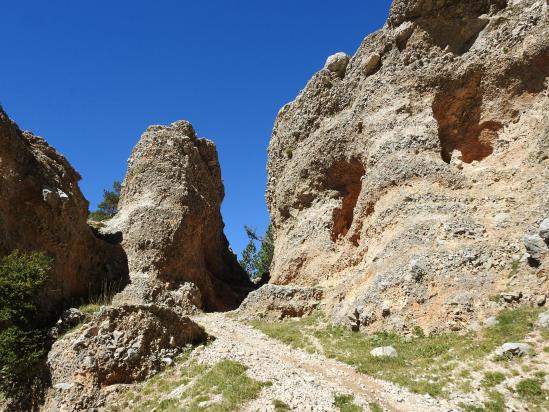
point(426, 364)
point(193, 387)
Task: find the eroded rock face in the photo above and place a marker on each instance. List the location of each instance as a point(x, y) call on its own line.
point(412, 179)
point(171, 223)
point(119, 345)
point(279, 302)
point(42, 209)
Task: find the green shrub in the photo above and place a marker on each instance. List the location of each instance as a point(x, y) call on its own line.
point(22, 277)
point(257, 263)
point(281, 406)
point(345, 403)
point(23, 342)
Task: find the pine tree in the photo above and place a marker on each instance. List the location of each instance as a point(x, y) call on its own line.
point(109, 206)
point(257, 263)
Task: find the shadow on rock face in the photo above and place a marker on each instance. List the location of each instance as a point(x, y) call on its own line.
point(457, 110)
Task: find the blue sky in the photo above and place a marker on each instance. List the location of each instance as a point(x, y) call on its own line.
point(90, 76)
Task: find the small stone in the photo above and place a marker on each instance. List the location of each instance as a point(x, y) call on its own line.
point(540, 300)
point(544, 230)
point(386, 309)
point(117, 334)
point(63, 386)
point(337, 63)
point(501, 219)
point(543, 319)
point(384, 352)
point(513, 348)
point(511, 297)
point(491, 321)
point(535, 246)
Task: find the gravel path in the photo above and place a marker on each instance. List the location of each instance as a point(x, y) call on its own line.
point(304, 381)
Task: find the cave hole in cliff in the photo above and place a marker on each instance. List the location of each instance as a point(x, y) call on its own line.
point(345, 178)
point(457, 110)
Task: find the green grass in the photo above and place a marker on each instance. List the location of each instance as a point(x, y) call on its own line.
point(531, 391)
point(89, 308)
point(375, 407)
point(290, 331)
point(225, 383)
point(426, 364)
point(492, 379)
point(345, 403)
point(228, 379)
point(280, 406)
point(496, 403)
point(514, 268)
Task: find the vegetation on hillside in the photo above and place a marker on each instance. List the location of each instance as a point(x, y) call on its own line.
point(193, 386)
point(109, 205)
point(257, 263)
point(433, 365)
point(23, 340)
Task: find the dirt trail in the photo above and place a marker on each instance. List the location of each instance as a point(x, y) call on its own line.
point(304, 381)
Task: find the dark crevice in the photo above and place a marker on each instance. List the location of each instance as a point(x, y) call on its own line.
point(457, 110)
point(346, 178)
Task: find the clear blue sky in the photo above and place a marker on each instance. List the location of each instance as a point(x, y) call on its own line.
point(90, 76)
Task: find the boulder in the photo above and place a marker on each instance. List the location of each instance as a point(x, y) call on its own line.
point(371, 64)
point(535, 246)
point(337, 63)
point(170, 221)
point(279, 302)
point(510, 297)
point(513, 349)
point(119, 345)
point(384, 352)
point(69, 319)
point(42, 209)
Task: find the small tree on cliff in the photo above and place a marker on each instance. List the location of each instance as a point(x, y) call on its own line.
point(109, 206)
point(257, 263)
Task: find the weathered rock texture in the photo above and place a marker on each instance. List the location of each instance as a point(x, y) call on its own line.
point(119, 345)
point(42, 209)
point(279, 302)
point(408, 180)
point(171, 222)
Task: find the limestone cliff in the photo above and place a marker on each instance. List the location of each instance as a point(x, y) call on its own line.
point(403, 179)
point(171, 223)
point(42, 209)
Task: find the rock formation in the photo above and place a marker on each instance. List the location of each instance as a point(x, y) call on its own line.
point(405, 178)
point(119, 345)
point(279, 302)
point(42, 209)
point(171, 223)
